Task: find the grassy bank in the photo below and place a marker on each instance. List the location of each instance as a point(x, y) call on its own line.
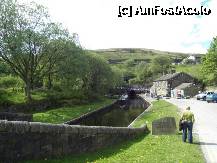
point(64, 114)
point(146, 149)
point(159, 109)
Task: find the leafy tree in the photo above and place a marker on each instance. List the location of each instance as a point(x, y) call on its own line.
point(4, 68)
point(72, 68)
point(100, 76)
point(118, 77)
point(55, 50)
point(143, 74)
point(129, 63)
point(161, 65)
point(209, 63)
point(22, 38)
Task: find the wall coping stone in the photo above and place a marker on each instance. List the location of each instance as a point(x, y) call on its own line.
point(37, 127)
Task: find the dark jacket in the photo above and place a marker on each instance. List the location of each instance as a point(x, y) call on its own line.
point(181, 125)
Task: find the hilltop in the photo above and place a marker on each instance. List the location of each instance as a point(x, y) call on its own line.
point(138, 53)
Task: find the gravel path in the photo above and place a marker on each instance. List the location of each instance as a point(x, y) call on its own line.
point(205, 124)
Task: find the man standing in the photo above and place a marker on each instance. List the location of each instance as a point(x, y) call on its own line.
point(187, 120)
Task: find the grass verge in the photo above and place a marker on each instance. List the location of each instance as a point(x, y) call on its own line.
point(146, 149)
point(64, 114)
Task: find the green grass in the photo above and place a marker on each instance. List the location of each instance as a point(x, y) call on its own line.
point(159, 109)
point(194, 70)
point(64, 114)
point(11, 96)
point(146, 149)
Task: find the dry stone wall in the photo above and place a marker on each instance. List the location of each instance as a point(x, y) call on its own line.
point(31, 140)
point(29, 107)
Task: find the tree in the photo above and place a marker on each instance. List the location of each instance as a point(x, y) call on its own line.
point(161, 64)
point(55, 50)
point(4, 68)
point(209, 63)
point(72, 68)
point(143, 74)
point(29, 43)
point(100, 76)
point(23, 37)
point(118, 77)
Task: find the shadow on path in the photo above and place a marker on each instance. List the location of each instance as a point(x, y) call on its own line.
point(204, 143)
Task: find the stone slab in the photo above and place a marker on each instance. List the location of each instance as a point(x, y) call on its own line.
point(164, 126)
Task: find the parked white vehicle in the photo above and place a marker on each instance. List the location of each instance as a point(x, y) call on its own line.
point(202, 96)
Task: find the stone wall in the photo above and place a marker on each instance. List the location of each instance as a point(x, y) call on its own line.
point(160, 87)
point(16, 116)
point(29, 107)
point(32, 140)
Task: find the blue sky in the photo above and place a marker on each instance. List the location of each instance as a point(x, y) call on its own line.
point(98, 26)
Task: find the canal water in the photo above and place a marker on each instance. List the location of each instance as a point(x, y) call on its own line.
point(120, 114)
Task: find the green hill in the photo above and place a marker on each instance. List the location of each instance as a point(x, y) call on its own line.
point(127, 59)
point(136, 53)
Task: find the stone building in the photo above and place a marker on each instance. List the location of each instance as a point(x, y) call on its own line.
point(166, 83)
point(185, 90)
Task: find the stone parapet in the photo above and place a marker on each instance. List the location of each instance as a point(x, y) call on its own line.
point(21, 140)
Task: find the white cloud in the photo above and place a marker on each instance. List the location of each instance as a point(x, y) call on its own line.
point(98, 25)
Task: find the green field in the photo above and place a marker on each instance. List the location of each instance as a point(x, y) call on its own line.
point(64, 114)
point(146, 149)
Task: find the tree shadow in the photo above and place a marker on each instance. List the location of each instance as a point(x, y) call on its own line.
point(102, 153)
point(107, 151)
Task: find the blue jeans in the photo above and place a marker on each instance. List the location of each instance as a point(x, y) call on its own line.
point(187, 127)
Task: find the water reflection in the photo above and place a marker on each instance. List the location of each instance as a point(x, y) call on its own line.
point(119, 115)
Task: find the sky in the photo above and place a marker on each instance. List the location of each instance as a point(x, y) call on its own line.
point(99, 27)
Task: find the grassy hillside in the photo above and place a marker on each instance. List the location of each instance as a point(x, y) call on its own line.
point(132, 53)
point(126, 61)
point(193, 70)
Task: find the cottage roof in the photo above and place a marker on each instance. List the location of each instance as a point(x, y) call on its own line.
point(183, 86)
point(167, 76)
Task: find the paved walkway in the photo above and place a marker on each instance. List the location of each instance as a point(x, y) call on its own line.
point(205, 124)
